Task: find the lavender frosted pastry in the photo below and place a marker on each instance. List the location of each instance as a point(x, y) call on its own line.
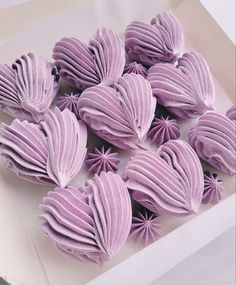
point(145, 227)
point(168, 182)
point(102, 61)
point(102, 160)
point(160, 41)
point(28, 88)
point(213, 138)
point(90, 223)
point(231, 113)
point(70, 102)
point(137, 68)
point(213, 187)
point(121, 115)
point(163, 130)
point(186, 90)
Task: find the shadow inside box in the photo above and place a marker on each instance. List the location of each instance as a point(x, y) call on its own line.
point(3, 282)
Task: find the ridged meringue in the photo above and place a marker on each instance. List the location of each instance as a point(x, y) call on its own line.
point(186, 90)
point(231, 113)
point(66, 140)
point(121, 115)
point(91, 223)
point(82, 66)
point(213, 138)
point(159, 42)
point(169, 182)
point(102, 160)
point(137, 68)
point(28, 88)
point(70, 102)
point(213, 187)
point(163, 130)
point(145, 227)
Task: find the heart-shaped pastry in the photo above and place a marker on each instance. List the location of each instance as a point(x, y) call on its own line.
point(160, 41)
point(28, 88)
point(90, 223)
point(121, 115)
point(213, 138)
point(102, 61)
point(168, 182)
point(187, 90)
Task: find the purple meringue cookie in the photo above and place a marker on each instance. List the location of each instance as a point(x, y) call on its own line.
point(213, 187)
point(163, 130)
point(121, 115)
point(102, 61)
point(137, 68)
point(90, 223)
point(66, 140)
point(231, 113)
point(168, 182)
point(213, 138)
point(70, 102)
point(102, 160)
point(145, 227)
point(28, 88)
point(159, 42)
point(186, 90)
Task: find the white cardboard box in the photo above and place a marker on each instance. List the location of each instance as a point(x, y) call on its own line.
point(26, 256)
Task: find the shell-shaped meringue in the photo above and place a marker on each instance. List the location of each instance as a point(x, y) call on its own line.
point(137, 68)
point(91, 223)
point(163, 130)
point(213, 187)
point(24, 146)
point(169, 182)
point(70, 102)
point(213, 138)
point(102, 160)
point(231, 113)
point(186, 90)
point(66, 140)
point(28, 88)
point(159, 42)
point(100, 62)
point(120, 115)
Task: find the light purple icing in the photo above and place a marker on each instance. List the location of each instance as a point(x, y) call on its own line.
point(145, 227)
point(186, 90)
point(70, 102)
point(168, 182)
point(213, 187)
point(28, 88)
point(213, 138)
point(90, 223)
point(102, 160)
point(121, 115)
point(137, 68)
point(163, 130)
point(231, 113)
point(160, 41)
point(102, 61)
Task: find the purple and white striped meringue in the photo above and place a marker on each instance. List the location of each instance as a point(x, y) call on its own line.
point(213, 138)
point(168, 182)
point(231, 113)
point(160, 41)
point(66, 141)
point(102, 61)
point(121, 115)
point(28, 88)
point(70, 102)
point(213, 188)
point(186, 90)
point(137, 68)
point(90, 223)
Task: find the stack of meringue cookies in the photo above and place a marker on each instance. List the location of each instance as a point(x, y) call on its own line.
point(119, 87)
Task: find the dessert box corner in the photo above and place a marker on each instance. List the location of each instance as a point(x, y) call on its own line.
point(180, 237)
